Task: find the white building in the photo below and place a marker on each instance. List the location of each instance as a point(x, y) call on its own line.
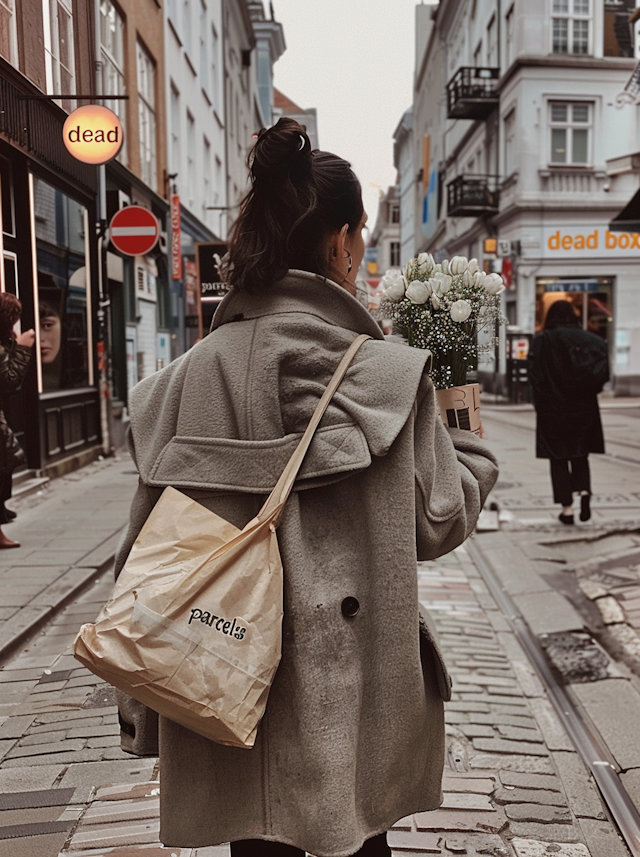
point(522, 138)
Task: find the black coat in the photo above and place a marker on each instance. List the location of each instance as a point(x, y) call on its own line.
point(568, 421)
point(14, 362)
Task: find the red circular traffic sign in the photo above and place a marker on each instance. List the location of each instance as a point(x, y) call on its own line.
point(134, 230)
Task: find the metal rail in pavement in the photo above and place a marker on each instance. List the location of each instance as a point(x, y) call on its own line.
point(587, 740)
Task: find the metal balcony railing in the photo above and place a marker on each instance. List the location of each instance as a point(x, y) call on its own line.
point(36, 127)
point(471, 93)
point(472, 196)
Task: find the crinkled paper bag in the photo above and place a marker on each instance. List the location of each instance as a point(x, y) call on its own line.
point(193, 628)
point(460, 407)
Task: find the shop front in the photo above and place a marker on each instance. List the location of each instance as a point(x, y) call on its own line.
point(49, 261)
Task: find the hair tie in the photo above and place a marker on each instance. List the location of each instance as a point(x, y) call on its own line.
point(302, 143)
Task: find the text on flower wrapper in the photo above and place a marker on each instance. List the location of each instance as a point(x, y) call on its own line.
point(225, 626)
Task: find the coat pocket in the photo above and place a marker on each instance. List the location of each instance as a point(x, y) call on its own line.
point(431, 654)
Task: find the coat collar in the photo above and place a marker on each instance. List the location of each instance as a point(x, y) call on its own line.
point(300, 292)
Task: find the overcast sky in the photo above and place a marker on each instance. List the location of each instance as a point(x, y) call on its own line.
point(353, 61)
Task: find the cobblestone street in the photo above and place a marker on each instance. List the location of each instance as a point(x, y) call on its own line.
point(514, 785)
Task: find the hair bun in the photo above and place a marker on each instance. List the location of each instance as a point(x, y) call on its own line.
point(281, 150)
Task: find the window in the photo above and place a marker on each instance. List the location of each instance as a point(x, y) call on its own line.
point(58, 49)
point(186, 27)
point(394, 213)
point(492, 47)
point(175, 129)
point(191, 158)
point(204, 59)
point(206, 177)
point(619, 36)
point(8, 39)
point(394, 254)
point(510, 143)
point(570, 129)
point(571, 26)
point(477, 56)
point(62, 288)
point(509, 37)
point(112, 55)
point(147, 116)
point(213, 92)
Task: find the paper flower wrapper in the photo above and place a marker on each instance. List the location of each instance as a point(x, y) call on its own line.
point(460, 407)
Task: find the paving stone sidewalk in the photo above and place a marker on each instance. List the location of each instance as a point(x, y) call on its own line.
point(514, 787)
point(68, 532)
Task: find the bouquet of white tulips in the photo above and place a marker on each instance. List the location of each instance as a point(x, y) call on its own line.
point(441, 307)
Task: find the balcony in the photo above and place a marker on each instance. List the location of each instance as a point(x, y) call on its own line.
point(471, 93)
point(473, 196)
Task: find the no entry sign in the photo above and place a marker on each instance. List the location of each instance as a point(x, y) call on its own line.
point(134, 230)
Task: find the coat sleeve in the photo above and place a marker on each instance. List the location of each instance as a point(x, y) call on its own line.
point(454, 472)
point(138, 724)
point(14, 363)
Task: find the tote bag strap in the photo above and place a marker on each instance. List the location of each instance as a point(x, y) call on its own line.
point(278, 497)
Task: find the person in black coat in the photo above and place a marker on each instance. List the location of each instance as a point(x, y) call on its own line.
point(568, 368)
point(15, 355)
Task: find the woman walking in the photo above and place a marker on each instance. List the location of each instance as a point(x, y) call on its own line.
point(569, 367)
point(353, 735)
point(15, 354)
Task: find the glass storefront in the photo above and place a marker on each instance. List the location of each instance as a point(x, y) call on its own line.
point(62, 262)
point(592, 299)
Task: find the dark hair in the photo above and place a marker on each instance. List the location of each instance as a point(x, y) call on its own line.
point(46, 310)
point(561, 314)
point(10, 311)
point(297, 199)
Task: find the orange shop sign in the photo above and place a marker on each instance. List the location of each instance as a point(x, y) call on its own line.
point(581, 241)
point(93, 134)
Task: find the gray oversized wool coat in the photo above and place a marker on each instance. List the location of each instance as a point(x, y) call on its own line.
point(353, 738)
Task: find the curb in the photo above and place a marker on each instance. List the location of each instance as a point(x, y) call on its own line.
point(36, 616)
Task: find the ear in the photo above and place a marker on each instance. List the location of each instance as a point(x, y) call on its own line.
point(336, 242)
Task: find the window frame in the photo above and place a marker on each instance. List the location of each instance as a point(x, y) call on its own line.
point(110, 62)
point(12, 42)
point(572, 17)
point(53, 62)
point(147, 119)
point(569, 126)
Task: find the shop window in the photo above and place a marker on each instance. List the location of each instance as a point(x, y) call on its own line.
point(147, 117)
point(112, 54)
point(6, 192)
point(592, 299)
point(570, 126)
point(571, 26)
point(8, 40)
point(59, 49)
point(62, 288)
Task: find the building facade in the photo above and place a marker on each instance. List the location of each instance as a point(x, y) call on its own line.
point(48, 249)
point(521, 136)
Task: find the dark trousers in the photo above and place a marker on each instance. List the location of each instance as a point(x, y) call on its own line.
point(376, 847)
point(5, 489)
point(569, 475)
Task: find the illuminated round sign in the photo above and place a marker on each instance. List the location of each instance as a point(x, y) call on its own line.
point(93, 134)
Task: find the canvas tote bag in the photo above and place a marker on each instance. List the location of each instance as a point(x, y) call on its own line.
point(193, 628)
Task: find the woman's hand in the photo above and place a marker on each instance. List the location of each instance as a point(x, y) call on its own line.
point(27, 337)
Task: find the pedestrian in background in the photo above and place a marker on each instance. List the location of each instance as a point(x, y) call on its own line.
point(568, 368)
point(353, 734)
point(15, 354)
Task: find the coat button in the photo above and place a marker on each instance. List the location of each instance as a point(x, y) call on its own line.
point(350, 607)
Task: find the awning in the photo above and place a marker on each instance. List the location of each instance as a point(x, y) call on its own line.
point(629, 218)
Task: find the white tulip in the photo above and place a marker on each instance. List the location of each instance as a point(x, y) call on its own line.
point(473, 266)
point(467, 278)
point(479, 278)
point(395, 292)
point(417, 292)
point(493, 284)
point(458, 264)
point(435, 301)
point(444, 266)
point(460, 310)
point(445, 281)
point(435, 287)
point(425, 259)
